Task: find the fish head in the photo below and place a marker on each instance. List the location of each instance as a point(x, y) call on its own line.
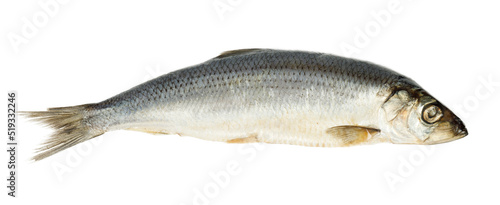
point(415, 117)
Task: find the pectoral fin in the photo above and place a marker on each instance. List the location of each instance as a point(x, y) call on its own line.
point(352, 135)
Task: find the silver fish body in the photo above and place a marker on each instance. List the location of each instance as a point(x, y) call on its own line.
point(270, 96)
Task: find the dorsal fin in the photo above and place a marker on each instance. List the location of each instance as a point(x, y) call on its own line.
point(237, 52)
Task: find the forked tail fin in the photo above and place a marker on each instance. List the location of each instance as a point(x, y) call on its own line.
point(72, 126)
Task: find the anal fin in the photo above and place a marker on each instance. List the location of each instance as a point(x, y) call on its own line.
point(150, 131)
point(250, 139)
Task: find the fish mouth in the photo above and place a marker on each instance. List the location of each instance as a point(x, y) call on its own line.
point(460, 128)
point(460, 135)
point(459, 131)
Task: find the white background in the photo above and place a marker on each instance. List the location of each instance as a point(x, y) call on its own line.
point(87, 51)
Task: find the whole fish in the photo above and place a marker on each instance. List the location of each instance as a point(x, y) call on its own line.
point(269, 96)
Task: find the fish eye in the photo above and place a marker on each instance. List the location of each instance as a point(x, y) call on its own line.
point(432, 113)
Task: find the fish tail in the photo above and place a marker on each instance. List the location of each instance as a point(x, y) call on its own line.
point(72, 125)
